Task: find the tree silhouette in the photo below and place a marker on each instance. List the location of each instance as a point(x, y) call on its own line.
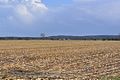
point(42, 35)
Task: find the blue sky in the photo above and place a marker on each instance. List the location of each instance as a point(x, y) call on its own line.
point(59, 17)
point(55, 3)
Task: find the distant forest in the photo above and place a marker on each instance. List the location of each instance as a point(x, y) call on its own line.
point(63, 37)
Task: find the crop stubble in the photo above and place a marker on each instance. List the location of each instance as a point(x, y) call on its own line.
point(59, 59)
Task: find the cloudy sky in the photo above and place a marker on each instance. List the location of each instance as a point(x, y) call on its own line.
point(58, 17)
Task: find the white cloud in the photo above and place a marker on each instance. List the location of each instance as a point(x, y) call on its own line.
point(38, 7)
point(23, 14)
point(25, 10)
point(36, 4)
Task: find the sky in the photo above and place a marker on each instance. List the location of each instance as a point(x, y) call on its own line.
point(59, 17)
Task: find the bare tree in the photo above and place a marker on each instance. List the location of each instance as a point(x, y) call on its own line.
point(42, 35)
point(119, 35)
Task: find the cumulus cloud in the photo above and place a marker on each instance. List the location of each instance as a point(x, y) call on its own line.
point(23, 14)
point(25, 10)
point(35, 5)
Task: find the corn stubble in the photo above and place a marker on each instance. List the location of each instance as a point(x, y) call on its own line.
point(59, 60)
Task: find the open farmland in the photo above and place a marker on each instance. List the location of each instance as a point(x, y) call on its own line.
point(59, 60)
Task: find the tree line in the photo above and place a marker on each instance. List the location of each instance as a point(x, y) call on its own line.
point(62, 37)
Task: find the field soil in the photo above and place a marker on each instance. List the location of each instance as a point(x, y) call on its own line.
point(59, 60)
